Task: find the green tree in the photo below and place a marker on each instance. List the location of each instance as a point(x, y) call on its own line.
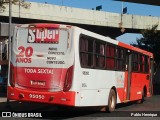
point(22, 3)
point(150, 41)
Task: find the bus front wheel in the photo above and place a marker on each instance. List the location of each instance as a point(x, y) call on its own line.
point(111, 101)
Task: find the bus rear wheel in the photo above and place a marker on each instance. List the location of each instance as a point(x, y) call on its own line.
point(112, 101)
point(142, 99)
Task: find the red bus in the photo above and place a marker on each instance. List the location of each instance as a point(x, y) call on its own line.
point(67, 65)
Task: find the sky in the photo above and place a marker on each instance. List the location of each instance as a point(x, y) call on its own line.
point(111, 6)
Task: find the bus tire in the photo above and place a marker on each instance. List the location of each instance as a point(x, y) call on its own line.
point(112, 101)
point(142, 99)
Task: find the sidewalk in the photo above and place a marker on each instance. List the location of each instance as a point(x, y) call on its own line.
point(3, 99)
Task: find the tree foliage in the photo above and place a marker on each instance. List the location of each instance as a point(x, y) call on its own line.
point(150, 42)
point(22, 3)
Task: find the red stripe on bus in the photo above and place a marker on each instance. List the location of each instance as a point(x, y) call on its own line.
point(134, 48)
point(62, 98)
point(46, 25)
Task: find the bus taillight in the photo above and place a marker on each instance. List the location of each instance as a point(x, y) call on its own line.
point(68, 79)
point(12, 81)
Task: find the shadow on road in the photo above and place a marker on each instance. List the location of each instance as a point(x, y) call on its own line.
point(50, 111)
point(121, 105)
point(22, 106)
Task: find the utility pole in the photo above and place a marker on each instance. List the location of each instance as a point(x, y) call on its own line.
point(9, 43)
point(122, 7)
point(121, 23)
point(9, 40)
point(62, 2)
point(10, 23)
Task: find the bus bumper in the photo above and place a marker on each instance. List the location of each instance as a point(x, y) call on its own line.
point(61, 98)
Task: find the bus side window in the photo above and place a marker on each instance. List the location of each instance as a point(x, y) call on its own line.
point(110, 57)
point(141, 62)
point(146, 62)
point(86, 51)
point(99, 55)
point(135, 62)
point(120, 59)
point(83, 44)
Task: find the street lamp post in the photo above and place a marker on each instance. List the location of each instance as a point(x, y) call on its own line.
point(9, 39)
point(122, 7)
point(62, 2)
point(10, 23)
point(9, 42)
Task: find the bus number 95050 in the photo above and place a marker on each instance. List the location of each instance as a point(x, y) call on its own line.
point(36, 96)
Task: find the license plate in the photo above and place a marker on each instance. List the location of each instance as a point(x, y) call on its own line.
point(37, 83)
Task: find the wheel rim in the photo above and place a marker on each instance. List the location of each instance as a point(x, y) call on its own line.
point(112, 102)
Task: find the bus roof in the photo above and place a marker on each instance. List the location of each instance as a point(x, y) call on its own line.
point(135, 49)
point(127, 46)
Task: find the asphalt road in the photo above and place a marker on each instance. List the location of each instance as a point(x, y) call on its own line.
point(150, 109)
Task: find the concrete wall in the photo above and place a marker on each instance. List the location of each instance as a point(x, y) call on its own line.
point(82, 16)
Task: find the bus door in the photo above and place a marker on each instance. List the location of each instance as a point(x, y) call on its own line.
point(128, 75)
point(133, 86)
point(151, 75)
